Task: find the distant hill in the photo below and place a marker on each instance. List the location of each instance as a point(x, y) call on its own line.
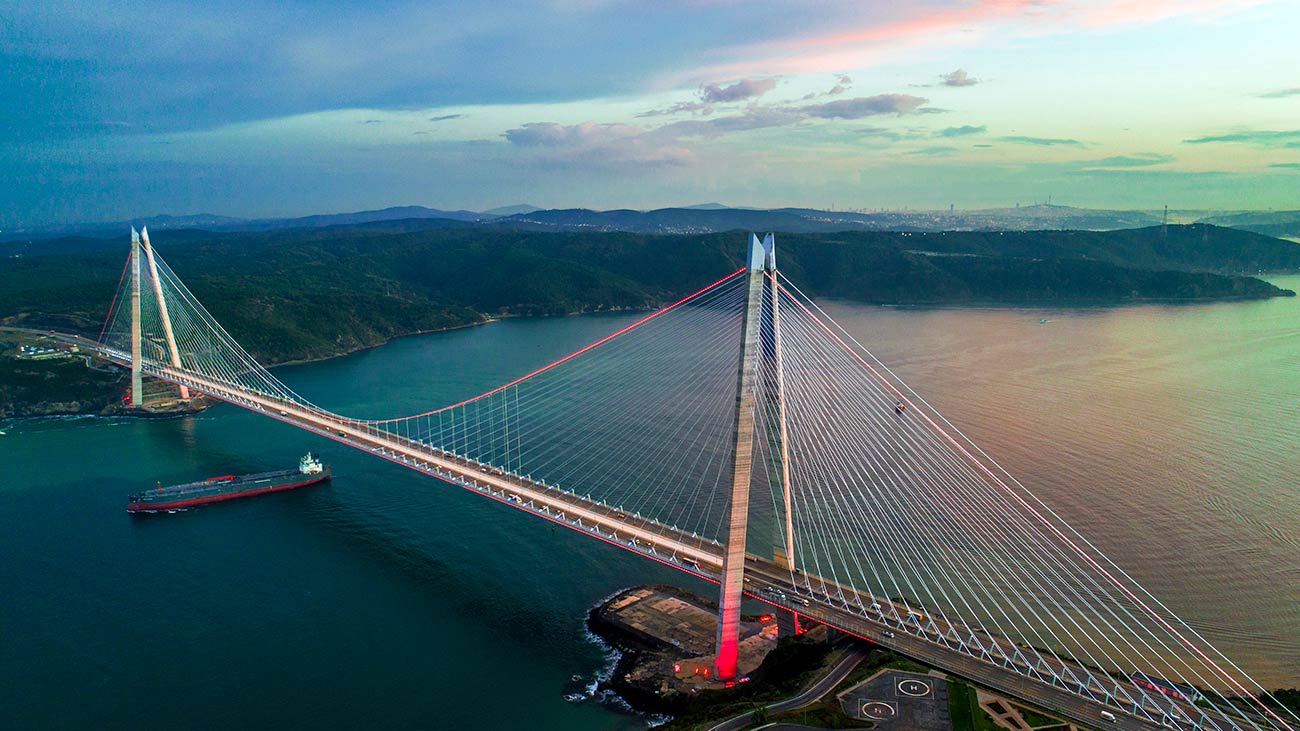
point(1194, 247)
point(337, 219)
point(209, 222)
point(1269, 223)
point(701, 218)
point(308, 293)
point(661, 221)
point(511, 210)
point(715, 217)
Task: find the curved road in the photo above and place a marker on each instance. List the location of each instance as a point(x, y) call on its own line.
point(812, 694)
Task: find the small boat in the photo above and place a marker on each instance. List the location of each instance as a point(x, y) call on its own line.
point(228, 487)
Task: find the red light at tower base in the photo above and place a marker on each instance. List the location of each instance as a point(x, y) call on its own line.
point(727, 658)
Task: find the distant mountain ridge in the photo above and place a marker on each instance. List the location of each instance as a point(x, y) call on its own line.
point(695, 219)
point(698, 218)
point(295, 294)
point(1269, 223)
point(212, 222)
point(511, 210)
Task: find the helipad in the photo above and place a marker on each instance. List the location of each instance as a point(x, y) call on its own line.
point(900, 701)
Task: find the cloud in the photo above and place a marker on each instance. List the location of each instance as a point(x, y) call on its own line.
point(865, 106)
point(711, 94)
point(855, 38)
point(751, 118)
point(704, 108)
point(1040, 141)
point(1137, 160)
point(550, 134)
point(962, 131)
point(445, 117)
point(934, 150)
point(739, 91)
point(881, 132)
point(613, 144)
point(1257, 137)
point(1280, 93)
point(958, 78)
point(607, 146)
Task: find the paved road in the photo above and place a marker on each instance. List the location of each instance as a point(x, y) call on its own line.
point(812, 694)
point(1075, 707)
point(799, 727)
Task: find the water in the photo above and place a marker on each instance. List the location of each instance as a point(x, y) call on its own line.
point(1166, 434)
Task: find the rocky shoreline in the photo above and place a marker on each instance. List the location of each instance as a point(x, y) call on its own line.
point(636, 650)
point(645, 674)
point(105, 401)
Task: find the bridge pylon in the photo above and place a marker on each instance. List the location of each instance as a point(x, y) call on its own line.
point(782, 431)
point(761, 262)
point(137, 362)
point(172, 353)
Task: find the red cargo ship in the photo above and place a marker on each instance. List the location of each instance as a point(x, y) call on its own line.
point(228, 487)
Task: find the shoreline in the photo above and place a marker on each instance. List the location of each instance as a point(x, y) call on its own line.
point(487, 320)
point(385, 341)
point(934, 304)
point(635, 650)
point(113, 411)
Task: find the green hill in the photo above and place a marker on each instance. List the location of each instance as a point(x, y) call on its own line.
point(312, 293)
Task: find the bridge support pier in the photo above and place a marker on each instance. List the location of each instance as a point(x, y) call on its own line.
point(787, 622)
point(731, 586)
point(137, 371)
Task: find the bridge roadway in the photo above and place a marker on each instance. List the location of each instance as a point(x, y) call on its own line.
point(693, 554)
point(900, 638)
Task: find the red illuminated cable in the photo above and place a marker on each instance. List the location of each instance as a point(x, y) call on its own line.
point(1118, 584)
point(570, 356)
point(120, 277)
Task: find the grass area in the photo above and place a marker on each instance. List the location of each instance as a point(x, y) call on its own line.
point(878, 660)
point(1036, 719)
point(825, 713)
point(964, 708)
point(753, 696)
point(36, 387)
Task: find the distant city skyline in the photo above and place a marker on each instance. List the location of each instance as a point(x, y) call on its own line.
point(256, 110)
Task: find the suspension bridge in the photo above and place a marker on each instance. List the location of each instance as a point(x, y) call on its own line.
point(740, 435)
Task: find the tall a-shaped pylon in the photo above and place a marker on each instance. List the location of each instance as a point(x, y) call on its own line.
point(137, 363)
point(761, 263)
point(782, 430)
point(172, 353)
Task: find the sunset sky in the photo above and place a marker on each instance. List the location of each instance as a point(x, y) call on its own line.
point(114, 110)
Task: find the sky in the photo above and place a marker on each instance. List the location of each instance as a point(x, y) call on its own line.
point(117, 110)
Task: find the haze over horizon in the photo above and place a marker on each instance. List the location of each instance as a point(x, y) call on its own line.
point(258, 110)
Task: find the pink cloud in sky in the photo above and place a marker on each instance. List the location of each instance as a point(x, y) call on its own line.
point(950, 25)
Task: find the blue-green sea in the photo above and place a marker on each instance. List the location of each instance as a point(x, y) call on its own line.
point(1167, 434)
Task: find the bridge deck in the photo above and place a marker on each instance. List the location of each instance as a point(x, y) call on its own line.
point(998, 665)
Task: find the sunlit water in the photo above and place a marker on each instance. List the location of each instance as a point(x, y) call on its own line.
point(1168, 435)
